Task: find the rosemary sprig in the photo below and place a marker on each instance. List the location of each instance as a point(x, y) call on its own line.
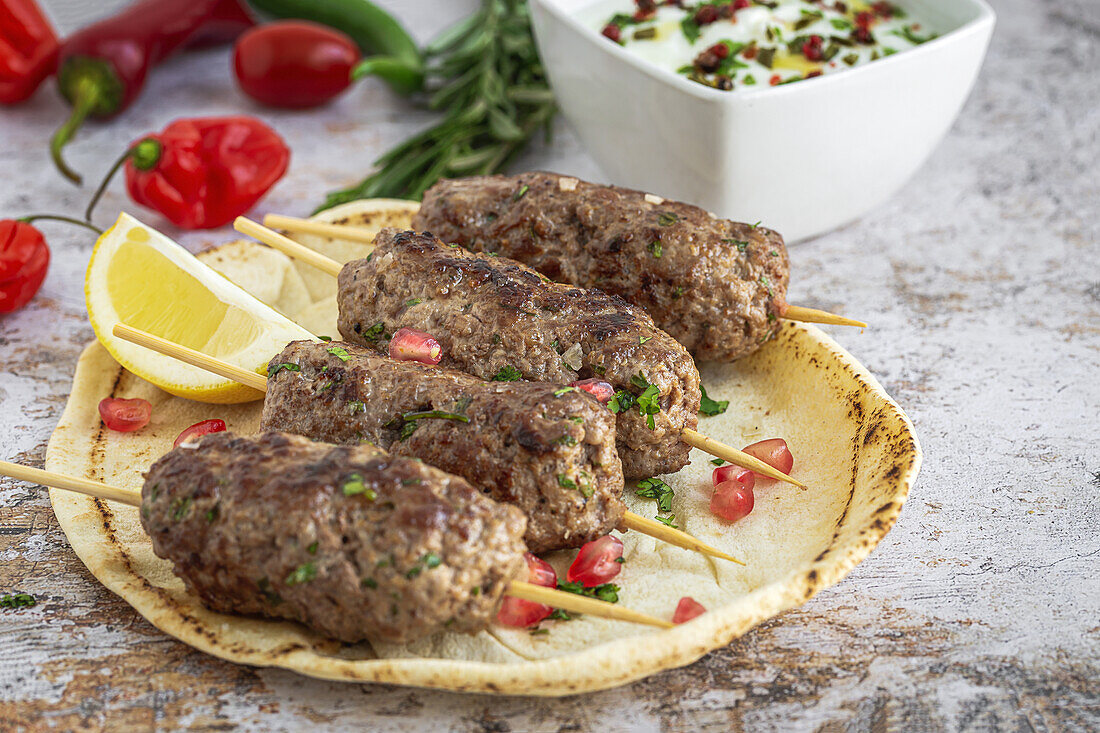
point(485, 75)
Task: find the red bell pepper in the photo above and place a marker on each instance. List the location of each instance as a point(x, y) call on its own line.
point(28, 49)
point(202, 173)
point(103, 67)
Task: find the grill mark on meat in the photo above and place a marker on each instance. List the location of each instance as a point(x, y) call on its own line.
point(261, 525)
point(520, 436)
point(598, 236)
point(490, 312)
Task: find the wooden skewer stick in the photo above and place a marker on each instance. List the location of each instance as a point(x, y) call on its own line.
point(358, 234)
point(813, 315)
point(517, 588)
point(195, 358)
point(292, 249)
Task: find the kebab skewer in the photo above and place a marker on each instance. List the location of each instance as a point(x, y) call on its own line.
point(505, 438)
point(348, 540)
point(467, 301)
point(717, 286)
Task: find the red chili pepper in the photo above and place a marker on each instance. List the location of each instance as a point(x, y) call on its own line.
point(28, 49)
point(24, 259)
point(103, 67)
point(204, 172)
point(294, 63)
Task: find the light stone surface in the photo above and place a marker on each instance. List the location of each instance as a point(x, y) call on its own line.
point(980, 610)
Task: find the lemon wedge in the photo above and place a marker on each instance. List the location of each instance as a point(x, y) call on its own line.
point(142, 278)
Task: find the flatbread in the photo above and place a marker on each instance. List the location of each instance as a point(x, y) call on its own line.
point(853, 446)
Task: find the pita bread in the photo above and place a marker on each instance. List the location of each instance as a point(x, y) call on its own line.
point(853, 446)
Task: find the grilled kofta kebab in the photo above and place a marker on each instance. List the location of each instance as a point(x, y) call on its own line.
point(545, 450)
point(497, 319)
point(717, 286)
point(347, 540)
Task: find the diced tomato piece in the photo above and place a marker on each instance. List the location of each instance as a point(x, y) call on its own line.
point(598, 388)
point(733, 473)
point(732, 500)
point(124, 415)
point(773, 452)
point(408, 344)
point(519, 613)
point(597, 562)
point(687, 609)
point(200, 429)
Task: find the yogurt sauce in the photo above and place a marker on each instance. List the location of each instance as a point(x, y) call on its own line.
point(747, 43)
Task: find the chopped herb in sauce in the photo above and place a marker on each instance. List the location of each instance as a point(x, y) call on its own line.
point(434, 415)
point(677, 292)
point(574, 418)
point(339, 352)
point(741, 244)
point(710, 407)
point(354, 486)
point(274, 369)
point(565, 439)
point(521, 192)
point(302, 574)
point(212, 514)
point(506, 373)
point(656, 489)
point(431, 560)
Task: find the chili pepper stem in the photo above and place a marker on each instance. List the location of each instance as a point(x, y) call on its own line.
point(105, 182)
point(87, 97)
point(57, 217)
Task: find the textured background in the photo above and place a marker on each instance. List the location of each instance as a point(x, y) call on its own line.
point(980, 610)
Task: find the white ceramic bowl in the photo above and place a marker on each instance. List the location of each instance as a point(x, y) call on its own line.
point(802, 158)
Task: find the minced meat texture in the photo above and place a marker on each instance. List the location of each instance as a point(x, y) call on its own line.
point(717, 286)
point(348, 540)
point(497, 318)
point(551, 453)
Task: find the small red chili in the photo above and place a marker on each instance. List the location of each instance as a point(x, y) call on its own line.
point(125, 415)
point(24, 260)
point(408, 344)
point(28, 49)
point(598, 388)
point(687, 609)
point(204, 172)
point(200, 429)
point(294, 63)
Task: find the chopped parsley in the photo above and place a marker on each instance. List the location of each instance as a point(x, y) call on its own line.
point(576, 419)
point(767, 285)
point(302, 574)
point(655, 248)
point(431, 560)
point(18, 600)
point(741, 244)
point(656, 489)
point(373, 333)
point(564, 390)
point(667, 218)
point(565, 482)
point(710, 407)
point(643, 339)
point(326, 339)
point(413, 301)
point(648, 401)
point(339, 352)
point(506, 373)
point(621, 402)
point(521, 192)
point(212, 514)
point(690, 28)
point(369, 583)
point(434, 415)
point(180, 506)
point(717, 461)
point(354, 486)
point(274, 369)
point(669, 521)
point(677, 292)
point(565, 439)
point(312, 549)
point(356, 406)
point(607, 592)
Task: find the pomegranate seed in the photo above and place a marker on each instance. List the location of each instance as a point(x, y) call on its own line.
point(706, 15)
point(773, 452)
point(720, 50)
point(741, 4)
point(597, 562)
point(123, 415)
point(732, 500)
point(612, 31)
point(864, 19)
point(519, 613)
point(200, 429)
point(408, 344)
point(687, 609)
point(598, 388)
point(733, 473)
